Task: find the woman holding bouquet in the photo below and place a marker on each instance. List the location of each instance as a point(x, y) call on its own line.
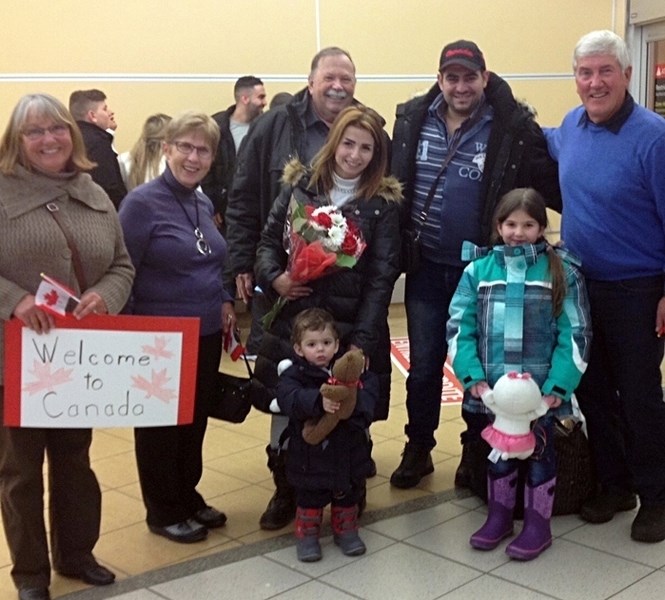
point(346, 194)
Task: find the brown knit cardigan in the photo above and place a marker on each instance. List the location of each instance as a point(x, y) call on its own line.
point(31, 242)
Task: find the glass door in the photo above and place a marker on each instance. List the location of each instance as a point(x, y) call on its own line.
point(648, 81)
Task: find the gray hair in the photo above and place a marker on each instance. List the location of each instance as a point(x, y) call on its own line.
point(602, 42)
point(325, 52)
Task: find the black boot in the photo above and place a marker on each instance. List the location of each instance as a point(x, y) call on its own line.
point(281, 509)
point(416, 463)
point(472, 470)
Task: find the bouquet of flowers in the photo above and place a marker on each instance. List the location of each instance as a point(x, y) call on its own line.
point(319, 241)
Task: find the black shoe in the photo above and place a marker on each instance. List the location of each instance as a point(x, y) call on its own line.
point(187, 532)
point(416, 463)
point(281, 510)
point(602, 508)
point(649, 524)
point(92, 574)
point(34, 594)
point(210, 517)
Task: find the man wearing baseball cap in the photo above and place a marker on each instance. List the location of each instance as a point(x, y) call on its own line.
point(458, 149)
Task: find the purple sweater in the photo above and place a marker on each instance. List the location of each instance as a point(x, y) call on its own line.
point(172, 277)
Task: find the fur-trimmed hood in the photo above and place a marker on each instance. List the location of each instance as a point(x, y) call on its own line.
point(295, 171)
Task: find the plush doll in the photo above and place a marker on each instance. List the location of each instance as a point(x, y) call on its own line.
point(516, 401)
point(343, 387)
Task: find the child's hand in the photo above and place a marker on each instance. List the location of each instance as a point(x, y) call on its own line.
point(552, 401)
point(478, 389)
point(330, 406)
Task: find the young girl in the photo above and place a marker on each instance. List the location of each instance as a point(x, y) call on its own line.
point(521, 305)
point(334, 470)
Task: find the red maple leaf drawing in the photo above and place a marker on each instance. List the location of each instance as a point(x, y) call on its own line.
point(155, 387)
point(51, 298)
point(159, 349)
point(45, 380)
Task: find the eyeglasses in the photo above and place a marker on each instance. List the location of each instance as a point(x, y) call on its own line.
point(35, 133)
point(187, 148)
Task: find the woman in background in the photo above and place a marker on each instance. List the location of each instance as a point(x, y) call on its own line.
point(146, 160)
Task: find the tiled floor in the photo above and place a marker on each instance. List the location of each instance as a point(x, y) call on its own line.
point(417, 539)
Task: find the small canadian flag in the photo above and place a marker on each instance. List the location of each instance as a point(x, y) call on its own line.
point(232, 344)
point(53, 296)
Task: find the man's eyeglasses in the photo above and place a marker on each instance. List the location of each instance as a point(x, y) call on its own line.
point(35, 133)
point(187, 148)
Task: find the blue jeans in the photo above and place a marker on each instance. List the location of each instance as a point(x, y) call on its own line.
point(620, 394)
point(541, 465)
point(427, 298)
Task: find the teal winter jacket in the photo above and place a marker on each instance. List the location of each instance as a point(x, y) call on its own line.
point(501, 319)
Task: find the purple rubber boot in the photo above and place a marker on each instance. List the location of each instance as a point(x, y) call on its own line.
point(500, 504)
point(536, 535)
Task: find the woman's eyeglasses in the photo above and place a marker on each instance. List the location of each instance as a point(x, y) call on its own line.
point(187, 148)
point(35, 133)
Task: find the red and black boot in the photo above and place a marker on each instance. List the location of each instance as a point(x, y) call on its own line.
point(308, 527)
point(344, 521)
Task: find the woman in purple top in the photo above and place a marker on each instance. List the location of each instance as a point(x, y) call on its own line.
point(179, 255)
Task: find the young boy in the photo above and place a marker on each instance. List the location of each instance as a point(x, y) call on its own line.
point(333, 471)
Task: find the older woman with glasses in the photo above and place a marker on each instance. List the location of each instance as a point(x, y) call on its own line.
point(42, 164)
point(179, 256)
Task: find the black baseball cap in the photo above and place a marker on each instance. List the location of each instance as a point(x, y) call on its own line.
point(464, 53)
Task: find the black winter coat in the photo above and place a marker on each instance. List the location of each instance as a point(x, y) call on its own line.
point(517, 153)
point(358, 298)
point(217, 182)
point(273, 140)
point(99, 148)
point(343, 458)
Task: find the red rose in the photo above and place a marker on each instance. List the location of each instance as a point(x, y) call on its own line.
point(350, 243)
point(323, 219)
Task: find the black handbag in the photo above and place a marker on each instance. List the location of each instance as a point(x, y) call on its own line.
point(231, 399)
point(575, 477)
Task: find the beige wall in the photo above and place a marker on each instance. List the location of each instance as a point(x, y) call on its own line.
point(130, 48)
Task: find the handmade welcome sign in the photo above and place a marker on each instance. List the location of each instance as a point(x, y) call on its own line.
point(101, 371)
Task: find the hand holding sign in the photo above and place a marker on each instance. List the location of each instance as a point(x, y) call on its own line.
point(32, 315)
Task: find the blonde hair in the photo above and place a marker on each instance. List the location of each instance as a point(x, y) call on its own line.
point(323, 164)
point(147, 152)
point(41, 106)
point(189, 122)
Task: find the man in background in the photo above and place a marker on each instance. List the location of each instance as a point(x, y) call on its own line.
point(250, 100)
point(94, 117)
